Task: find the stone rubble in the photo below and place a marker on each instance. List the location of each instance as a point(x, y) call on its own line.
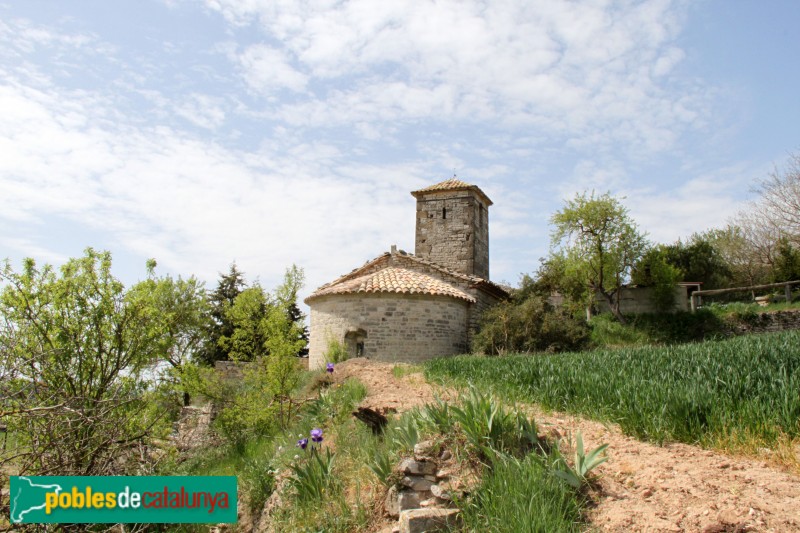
point(423, 498)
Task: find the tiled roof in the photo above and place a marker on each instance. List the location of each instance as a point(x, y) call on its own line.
point(453, 184)
point(446, 185)
point(392, 279)
point(362, 279)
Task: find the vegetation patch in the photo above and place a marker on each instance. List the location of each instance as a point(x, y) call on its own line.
point(735, 392)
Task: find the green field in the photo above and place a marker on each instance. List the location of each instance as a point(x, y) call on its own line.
point(736, 391)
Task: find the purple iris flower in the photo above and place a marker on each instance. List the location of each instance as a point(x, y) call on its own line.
point(302, 443)
point(329, 368)
point(316, 435)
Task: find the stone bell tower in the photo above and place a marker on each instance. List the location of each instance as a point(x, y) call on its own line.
point(453, 227)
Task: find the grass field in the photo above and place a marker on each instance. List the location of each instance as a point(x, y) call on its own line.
point(729, 393)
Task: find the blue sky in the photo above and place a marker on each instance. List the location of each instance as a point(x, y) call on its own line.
point(279, 132)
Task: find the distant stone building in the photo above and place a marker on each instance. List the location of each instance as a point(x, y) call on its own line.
point(404, 307)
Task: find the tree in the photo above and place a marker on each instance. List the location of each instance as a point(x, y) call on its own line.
point(74, 347)
point(747, 257)
point(700, 261)
point(184, 319)
point(264, 335)
point(654, 269)
point(286, 295)
point(787, 262)
point(230, 285)
point(779, 199)
point(246, 316)
point(599, 244)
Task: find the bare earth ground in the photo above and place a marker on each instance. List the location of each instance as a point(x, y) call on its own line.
point(642, 487)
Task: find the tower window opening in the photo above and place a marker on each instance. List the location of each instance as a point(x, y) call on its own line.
point(444, 212)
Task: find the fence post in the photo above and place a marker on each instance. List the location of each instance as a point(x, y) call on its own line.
point(788, 291)
point(693, 302)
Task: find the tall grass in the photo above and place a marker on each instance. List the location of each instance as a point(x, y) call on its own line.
point(741, 388)
point(522, 496)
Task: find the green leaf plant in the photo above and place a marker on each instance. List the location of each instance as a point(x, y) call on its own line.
point(578, 475)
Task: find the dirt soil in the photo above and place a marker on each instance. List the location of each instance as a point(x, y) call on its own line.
point(642, 487)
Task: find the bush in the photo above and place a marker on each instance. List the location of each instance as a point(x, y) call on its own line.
point(529, 325)
point(656, 328)
point(336, 352)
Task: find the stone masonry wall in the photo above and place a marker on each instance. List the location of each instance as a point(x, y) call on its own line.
point(637, 300)
point(399, 327)
point(453, 231)
point(766, 322)
point(484, 302)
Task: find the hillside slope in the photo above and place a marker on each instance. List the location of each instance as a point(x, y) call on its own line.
point(643, 487)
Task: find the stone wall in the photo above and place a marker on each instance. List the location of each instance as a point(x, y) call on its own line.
point(231, 370)
point(637, 300)
point(765, 322)
point(453, 231)
point(393, 327)
point(483, 302)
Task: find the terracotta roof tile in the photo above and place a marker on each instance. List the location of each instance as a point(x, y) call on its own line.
point(453, 184)
point(446, 185)
point(392, 280)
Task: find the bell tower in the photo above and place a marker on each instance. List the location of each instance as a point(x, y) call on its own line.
point(453, 227)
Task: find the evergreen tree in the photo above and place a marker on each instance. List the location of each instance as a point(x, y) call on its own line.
point(222, 326)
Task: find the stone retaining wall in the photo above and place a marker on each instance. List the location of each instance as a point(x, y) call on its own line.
point(766, 322)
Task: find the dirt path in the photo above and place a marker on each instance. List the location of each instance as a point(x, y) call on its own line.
point(643, 487)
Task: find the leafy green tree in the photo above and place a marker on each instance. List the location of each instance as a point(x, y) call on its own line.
point(184, 319)
point(266, 337)
point(655, 270)
point(74, 346)
point(787, 262)
point(286, 296)
point(598, 244)
point(230, 285)
point(246, 316)
point(699, 261)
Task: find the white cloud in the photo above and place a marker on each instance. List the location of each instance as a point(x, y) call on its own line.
point(267, 69)
point(590, 72)
point(194, 205)
point(315, 119)
point(201, 110)
point(702, 202)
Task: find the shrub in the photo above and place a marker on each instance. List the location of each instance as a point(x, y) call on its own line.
point(529, 325)
point(336, 352)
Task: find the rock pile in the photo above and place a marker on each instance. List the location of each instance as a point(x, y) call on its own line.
point(423, 499)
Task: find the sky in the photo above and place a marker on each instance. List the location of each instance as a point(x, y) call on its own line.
point(275, 132)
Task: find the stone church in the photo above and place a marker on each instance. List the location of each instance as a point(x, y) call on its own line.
point(413, 307)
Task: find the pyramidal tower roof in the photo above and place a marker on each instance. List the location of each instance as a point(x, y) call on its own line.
point(449, 185)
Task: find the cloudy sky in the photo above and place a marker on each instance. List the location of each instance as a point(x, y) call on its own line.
point(273, 132)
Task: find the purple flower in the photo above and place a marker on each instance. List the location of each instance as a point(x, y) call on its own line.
point(302, 443)
point(316, 435)
point(329, 368)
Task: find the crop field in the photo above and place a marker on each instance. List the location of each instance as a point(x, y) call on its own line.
point(734, 392)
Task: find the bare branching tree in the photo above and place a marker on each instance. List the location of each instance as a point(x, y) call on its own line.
point(779, 199)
